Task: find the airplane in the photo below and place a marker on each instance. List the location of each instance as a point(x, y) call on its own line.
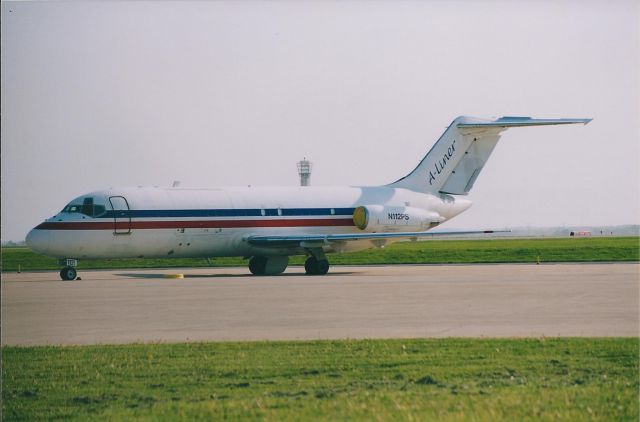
point(267, 225)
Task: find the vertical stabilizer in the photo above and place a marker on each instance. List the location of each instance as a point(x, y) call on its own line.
point(457, 158)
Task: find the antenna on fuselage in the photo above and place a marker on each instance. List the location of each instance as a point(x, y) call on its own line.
point(304, 170)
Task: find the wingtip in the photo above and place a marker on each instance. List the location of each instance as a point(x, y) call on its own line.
point(583, 121)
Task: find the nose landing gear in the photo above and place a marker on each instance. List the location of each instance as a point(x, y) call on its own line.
point(69, 271)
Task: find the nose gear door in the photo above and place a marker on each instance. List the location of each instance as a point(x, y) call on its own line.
point(121, 215)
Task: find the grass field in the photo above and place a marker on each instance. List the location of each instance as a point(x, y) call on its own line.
point(428, 252)
point(447, 379)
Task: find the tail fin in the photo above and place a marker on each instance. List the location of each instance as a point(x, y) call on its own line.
point(455, 161)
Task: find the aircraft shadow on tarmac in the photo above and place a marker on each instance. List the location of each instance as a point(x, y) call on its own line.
point(163, 276)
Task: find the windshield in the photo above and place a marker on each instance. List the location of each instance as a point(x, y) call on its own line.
point(84, 206)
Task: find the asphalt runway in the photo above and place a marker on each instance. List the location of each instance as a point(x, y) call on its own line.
point(125, 306)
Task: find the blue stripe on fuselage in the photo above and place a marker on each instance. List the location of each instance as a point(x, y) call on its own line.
point(250, 212)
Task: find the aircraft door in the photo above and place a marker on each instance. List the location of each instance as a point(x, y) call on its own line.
point(121, 215)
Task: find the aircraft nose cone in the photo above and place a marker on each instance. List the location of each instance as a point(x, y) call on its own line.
point(38, 240)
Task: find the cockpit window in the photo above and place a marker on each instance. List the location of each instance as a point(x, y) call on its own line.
point(86, 207)
point(98, 210)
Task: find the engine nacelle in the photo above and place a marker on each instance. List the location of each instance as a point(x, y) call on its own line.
point(379, 218)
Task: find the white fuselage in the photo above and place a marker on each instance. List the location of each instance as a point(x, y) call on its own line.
point(270, 224)
point(194, 222)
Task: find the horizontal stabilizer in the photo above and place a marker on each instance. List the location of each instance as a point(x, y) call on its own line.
point(512, 121)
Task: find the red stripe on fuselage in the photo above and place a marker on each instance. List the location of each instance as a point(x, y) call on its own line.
point(208, 224)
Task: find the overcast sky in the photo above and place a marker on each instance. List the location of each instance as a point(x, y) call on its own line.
point(101, 94)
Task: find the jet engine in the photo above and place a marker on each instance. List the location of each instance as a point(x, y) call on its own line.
point(380, 218)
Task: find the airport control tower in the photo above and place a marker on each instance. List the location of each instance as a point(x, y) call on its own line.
point(304, 170)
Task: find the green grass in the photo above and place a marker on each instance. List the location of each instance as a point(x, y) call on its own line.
point(592, 249)
point(445, 379)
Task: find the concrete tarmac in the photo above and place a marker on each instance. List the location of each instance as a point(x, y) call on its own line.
point(124, 306)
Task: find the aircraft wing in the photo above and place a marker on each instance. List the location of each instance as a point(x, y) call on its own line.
point(317, 240)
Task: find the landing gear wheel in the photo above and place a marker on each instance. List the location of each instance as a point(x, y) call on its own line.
point(258, 265)
point(313, 266)
point(323, 267)
point(310, 265)
point(68, 273)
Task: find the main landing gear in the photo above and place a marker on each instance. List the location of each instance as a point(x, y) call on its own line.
point(315, 266)
point(69, 271)
point(268, 265)
point(317, 263)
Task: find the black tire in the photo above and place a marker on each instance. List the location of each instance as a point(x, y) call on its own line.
point(310, 265)
point(322, 267)
point(68, 273)
point(257, 265)
point(314, 267)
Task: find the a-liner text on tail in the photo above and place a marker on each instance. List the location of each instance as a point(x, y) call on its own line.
point(457, 158)
point(267, 225)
